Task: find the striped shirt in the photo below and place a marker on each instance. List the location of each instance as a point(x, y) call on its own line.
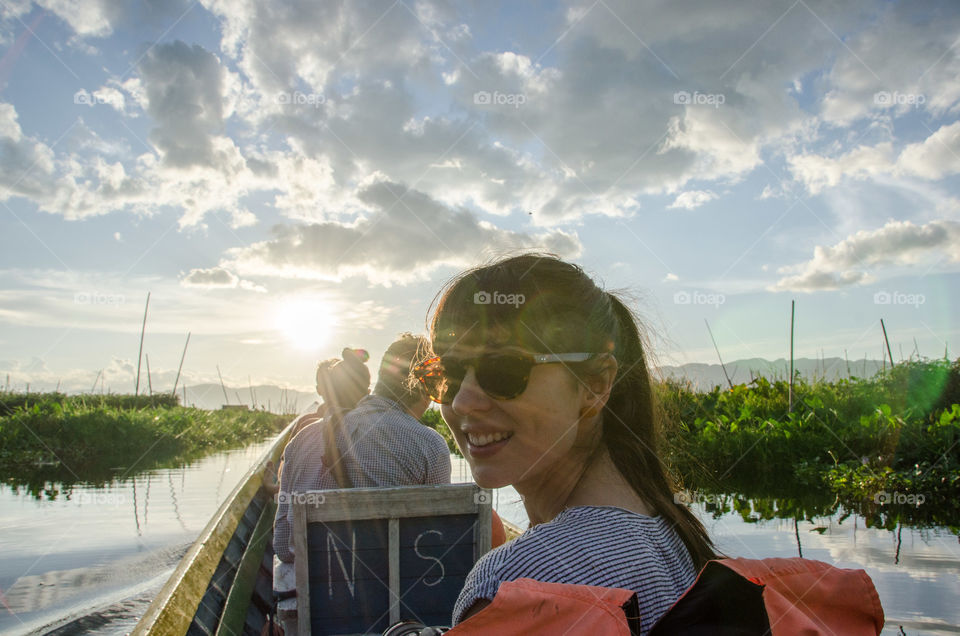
point(381, 444)
point(603, 546)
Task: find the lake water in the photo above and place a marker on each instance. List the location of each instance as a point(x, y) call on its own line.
point(90, 561)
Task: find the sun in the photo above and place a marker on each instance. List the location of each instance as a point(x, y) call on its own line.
point(306, 322)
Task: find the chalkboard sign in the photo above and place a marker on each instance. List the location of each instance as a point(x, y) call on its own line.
point(378, 555)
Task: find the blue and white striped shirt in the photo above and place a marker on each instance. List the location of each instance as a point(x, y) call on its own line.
point(591, 545)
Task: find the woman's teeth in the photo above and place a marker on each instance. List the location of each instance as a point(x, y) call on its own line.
point(489, 438)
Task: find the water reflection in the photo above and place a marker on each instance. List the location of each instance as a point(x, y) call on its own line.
point(67, 548)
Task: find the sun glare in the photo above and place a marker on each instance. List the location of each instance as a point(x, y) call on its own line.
point(306, 323)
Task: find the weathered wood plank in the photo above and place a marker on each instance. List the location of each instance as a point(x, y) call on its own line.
point(238, 601)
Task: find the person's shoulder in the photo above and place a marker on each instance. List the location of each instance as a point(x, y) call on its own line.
point(306, 436)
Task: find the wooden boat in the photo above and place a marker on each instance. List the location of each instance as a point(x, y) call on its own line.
point(223, 586)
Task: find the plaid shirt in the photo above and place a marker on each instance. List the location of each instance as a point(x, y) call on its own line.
point(381, 444)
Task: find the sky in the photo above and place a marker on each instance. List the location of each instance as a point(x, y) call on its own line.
point(288, 178)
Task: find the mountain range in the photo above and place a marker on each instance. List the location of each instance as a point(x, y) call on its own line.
point(702, 377)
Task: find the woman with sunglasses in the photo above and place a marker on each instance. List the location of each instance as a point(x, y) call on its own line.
point(550, 393)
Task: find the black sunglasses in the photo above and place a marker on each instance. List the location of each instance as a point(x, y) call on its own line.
point(502, 376)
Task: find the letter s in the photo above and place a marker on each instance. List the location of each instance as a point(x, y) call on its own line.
point(416, 548)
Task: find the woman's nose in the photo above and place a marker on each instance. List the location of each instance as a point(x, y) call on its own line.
point(470, 397)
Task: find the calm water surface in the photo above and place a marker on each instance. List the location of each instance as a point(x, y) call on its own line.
point(90, 561)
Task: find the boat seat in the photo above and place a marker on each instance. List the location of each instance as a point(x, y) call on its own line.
point(379, 555)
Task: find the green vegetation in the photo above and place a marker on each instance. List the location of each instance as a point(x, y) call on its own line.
point(55, 438)
point(898, 432)
point(432, 418)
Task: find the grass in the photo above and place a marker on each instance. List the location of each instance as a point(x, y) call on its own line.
point(898, 431)
point(67, 439)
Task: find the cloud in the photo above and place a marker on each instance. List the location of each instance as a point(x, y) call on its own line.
point(898, 243)
point(390, 244)
point(184, 90)
point(218, 278)
point(693, 199)
point(817, 172)
point(88, 18)
point(935, 157)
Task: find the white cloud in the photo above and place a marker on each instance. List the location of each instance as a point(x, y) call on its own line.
point(935, 157)
point(817, 172)
point(898, 243)
point(88, 18)
point(693, 199)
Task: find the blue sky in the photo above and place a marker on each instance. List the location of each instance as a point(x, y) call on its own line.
point(286, 178)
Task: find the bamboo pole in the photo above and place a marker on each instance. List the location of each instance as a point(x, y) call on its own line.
point(143, 331)
point(792, 314)
point(149, 381)
point(887, 340)
point(718, 354)
point(222, 386)
point(95, 380)
point(182, 356)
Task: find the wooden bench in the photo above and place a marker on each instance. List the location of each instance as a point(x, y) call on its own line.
point(379, 555)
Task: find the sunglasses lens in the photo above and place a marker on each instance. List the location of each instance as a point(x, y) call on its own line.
point(503, 376)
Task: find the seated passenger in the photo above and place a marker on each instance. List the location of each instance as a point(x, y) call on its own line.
point(550, 393)
point(380, 443)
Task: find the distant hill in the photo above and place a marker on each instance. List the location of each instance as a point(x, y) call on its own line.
point(703, 377)
point(272, 398)
point(706, 376)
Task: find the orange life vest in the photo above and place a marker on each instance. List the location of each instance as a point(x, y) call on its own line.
point(730, 596)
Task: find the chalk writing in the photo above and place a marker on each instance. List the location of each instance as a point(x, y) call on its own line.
point(416, 548)
point(351, 577)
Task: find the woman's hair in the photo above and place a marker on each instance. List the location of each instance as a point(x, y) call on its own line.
point(393, 379)
point(342, 382)
point(546, 305)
